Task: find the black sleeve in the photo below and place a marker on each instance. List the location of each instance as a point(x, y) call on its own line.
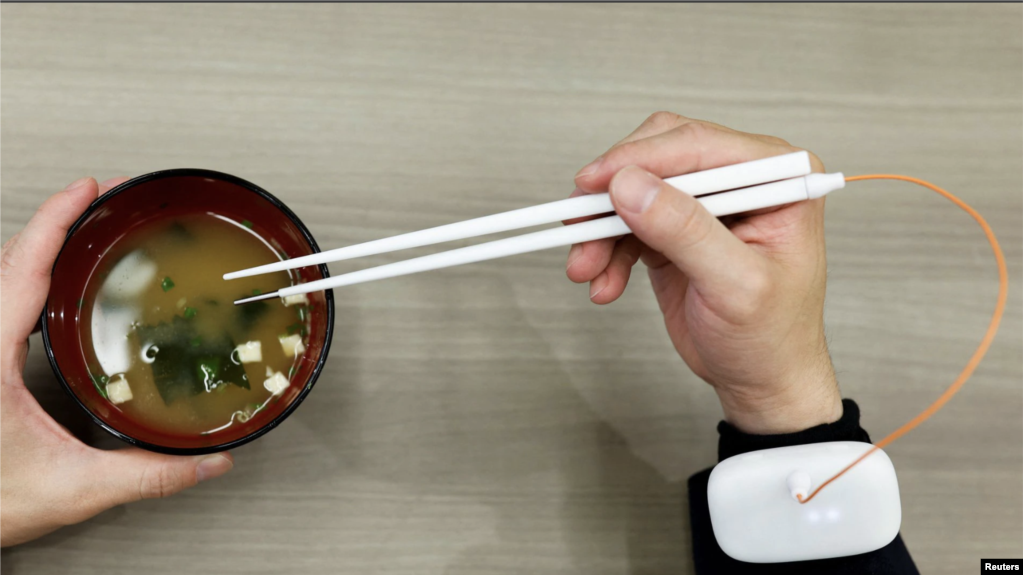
point(893, 559)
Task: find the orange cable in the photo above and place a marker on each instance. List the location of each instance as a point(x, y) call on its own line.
point(989, 336)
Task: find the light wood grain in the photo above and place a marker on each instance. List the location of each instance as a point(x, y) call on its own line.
point(489, 419)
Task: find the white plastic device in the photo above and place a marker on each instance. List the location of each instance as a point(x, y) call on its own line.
point(758, 518)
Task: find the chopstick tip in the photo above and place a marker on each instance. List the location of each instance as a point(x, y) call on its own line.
point(255, 298)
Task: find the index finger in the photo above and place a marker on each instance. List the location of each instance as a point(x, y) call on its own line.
point(657, 123)
point(27, 259)
point(691, 147)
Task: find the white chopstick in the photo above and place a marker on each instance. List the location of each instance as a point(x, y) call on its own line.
point(697, 184)
point(738, 201)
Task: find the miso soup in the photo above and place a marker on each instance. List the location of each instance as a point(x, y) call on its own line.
point(165, 342)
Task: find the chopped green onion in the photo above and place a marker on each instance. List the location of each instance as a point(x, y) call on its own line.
point(167, 284)
point(190, 312)
point(100, 382)
point(257, 291)
point(196, 341)
point(247, 224)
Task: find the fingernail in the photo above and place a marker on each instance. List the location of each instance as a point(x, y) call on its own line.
point(77, 184)
point(574, 254)
point(590, 168)
point(212, 466)
point(111, 182)
point(634, 189)
point(598, 284)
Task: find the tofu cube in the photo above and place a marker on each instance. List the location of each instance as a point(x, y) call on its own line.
point(295, 299)
point(292, 345)
point(250, 352)
point(277, 383)
point(118, 391)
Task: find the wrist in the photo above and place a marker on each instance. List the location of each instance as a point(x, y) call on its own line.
point(802, 402)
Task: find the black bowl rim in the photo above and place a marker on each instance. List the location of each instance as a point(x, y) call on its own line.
point(317, 369)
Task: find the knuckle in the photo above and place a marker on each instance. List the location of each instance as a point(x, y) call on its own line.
point(623, 155)
point(157, 481)
point(10, 243)
point(9, 254)
point(662, 119)
point(689, 227)
point(695, 131)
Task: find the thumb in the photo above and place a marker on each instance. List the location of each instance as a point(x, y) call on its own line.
point(677, 225)
point(127, 475)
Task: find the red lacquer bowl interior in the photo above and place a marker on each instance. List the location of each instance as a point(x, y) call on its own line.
point(162, 195)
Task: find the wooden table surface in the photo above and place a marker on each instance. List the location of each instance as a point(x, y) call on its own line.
point(489, 419)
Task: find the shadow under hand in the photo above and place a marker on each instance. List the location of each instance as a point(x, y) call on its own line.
point(630, 507)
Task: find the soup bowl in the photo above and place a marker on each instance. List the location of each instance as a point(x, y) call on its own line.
point(144, 200)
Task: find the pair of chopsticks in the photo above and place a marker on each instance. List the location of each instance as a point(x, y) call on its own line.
point(754, 185)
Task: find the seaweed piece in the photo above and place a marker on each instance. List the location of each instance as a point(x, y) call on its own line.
point(250, 313)
point(185, 364)
point(215, 371)
point(172, 373)
point(179, 232)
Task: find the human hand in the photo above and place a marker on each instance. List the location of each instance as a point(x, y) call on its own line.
point(742, 297)
point(48, 478)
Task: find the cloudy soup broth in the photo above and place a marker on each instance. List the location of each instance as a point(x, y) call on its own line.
point(164, 341)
